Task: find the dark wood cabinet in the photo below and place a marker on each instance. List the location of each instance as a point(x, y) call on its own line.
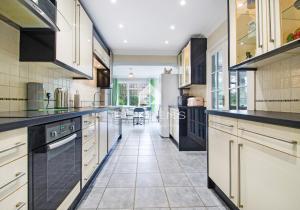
point(192, 63)
point(192, 129)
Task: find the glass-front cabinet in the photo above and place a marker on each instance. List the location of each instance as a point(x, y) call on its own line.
point(180, 69)
point(259, 26)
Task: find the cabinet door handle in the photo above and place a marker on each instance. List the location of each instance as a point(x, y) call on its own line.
point(222, 124)
point(18, 176)
point(18, 144)
point(240, 205)
point(230, 168)
point(271, 25)
point(260, 44)
point(75, 54)
point(20, 205)
point(79, 29)
point(282, 140)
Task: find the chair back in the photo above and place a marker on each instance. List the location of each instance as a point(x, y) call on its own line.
point(139, 110)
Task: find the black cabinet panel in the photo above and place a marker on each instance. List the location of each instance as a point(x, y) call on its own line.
point(192, 129)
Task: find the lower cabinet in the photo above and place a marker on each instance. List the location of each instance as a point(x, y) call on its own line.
point(89, 148)
point(257, 169)
point(174, 123)
point(17, 200)
point(102, 135)
point(223, 161)
point(269, 179)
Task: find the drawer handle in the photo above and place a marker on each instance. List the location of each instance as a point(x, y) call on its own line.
point(86, 122)
point(88, 163)
point(20, 205)
point(18, 176)
point(88, 149)
point(282, 140)
point(19, 144)
point(230, 126)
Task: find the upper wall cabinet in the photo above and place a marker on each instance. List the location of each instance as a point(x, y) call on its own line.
point(71, 47)
point(192, 63)
point(101, 53)
point(262, 31)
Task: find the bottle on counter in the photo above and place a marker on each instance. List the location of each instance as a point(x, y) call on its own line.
point(77, 100)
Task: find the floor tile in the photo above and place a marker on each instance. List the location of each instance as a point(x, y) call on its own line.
point(183, 197)
point(148, 168)
point(117, 198)
point(128, 159)
point(129, 152)
point(198, 179)
point(92, 198)
point(208, 197)
point(150, 197)
point(175, 179)
point(126, 168)
point(122, 180)
point(149, 180)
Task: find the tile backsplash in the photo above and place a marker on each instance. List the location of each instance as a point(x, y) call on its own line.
point(278, 86)
point(14, 76)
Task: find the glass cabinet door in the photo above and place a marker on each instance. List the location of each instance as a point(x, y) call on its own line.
point(246, 29)
point(187, 64)
point(290, 20)
point(180, 69)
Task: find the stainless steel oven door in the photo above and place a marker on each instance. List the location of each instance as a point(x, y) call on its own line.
point(56, 169)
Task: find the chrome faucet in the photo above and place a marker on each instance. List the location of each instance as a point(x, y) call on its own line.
point(94, 101)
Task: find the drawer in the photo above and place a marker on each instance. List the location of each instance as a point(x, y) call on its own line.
point(88, 120)
point(87, 146)
point(13, 145)
point(88, 133)
point(226, 124)
point(17, 200)
point(12, 176)
point(280, 138)
point(88, 169)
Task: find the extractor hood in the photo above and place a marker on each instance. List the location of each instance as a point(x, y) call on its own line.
point(30, 13)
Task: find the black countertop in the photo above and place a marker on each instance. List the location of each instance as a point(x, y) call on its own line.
point(14, 120)
point(276, 118)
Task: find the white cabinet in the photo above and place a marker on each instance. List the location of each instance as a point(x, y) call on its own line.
point(269, 179)
point(65, 37)
point(259, 26)
point(223, 161)
point(84, 42)
point(102, 135)
point(174, 123)
point(74, 41)
point(101, 53)
point(257, 166)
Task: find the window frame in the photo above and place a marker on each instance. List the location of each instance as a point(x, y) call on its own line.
point(215, 75)
point(237, 88)
point(133, 81)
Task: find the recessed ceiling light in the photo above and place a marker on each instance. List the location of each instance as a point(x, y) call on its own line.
point(130, 75)
point(125, 41)
point(183, 2)
point(113, 1)
point(121, 26)
point(172, 27)
point(166, 42)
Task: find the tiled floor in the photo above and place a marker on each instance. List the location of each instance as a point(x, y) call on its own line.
point(148, 172)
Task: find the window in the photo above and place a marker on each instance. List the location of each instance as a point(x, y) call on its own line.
point(133, 93)
point(217, 81)
point(238, 90)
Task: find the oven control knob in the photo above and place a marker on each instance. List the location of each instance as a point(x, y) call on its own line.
point(53, 134)
point(72, 128)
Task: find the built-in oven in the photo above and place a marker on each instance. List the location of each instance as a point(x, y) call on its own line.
point(54, 162)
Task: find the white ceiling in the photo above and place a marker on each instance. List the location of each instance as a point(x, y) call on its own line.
point(140, 71)
point(147, 23)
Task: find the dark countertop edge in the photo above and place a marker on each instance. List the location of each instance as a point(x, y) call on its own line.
point(15, 123)
point(177, 106)
point(285, 119)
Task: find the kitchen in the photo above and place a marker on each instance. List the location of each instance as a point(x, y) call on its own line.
point(224, 88)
